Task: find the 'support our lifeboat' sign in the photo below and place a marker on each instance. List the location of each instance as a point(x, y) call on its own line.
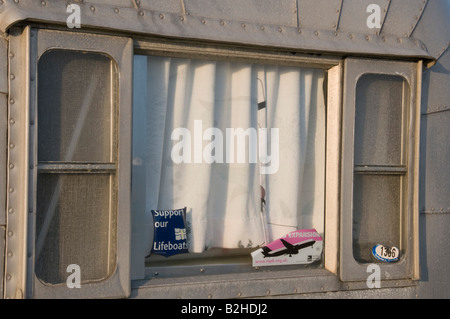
point(298, 247)
point(169, 232)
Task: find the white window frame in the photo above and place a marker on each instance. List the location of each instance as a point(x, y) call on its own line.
point(234, 54)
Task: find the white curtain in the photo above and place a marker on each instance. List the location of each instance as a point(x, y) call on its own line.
point(222, 193)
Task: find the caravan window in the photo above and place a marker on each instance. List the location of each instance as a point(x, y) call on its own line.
point(240, 145)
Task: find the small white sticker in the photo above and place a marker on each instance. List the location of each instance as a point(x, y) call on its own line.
point(385, 253)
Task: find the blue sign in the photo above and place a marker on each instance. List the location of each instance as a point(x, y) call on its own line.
point(169, 232)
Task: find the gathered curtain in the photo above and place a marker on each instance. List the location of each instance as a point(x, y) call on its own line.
point(185, 155)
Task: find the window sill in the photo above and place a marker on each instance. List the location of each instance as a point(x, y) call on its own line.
point(258, 283)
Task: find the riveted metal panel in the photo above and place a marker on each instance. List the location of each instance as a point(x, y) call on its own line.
point(261, 23)
point(17, 195)
point(434, 257)
point(295, 283)
point(436, 95)
point(114, 3)
point(283, 12)
point(435, 147)
point(2, 259)
point(175, 6)
point(3, 136)
point(402, 17)
point(354, 15)
point(3, 124)
point(434, 27)
point(3, 65)
point(435, 162)
point(155, 5)
point(319, 14)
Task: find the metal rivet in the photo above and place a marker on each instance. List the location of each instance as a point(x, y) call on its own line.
point(11, 166)
point(12, 101)
point(8, 277)
point(316, 33)
point(299, 30)
point(239, 294)
point(11, 190)
point(202, 269)
point(92, 8)
point(141, 13)
point(10, 233)
point(12, 76)
point(10, 254)
point(350, 36)
point(116, 10)
point(31, 166)
point(11, 54)
point(280, 29)
point(43, 3)
point(209, 296)
point(31, 122)
point(222, 22)
point(11, 145)
point(161, 16)
point(367, 38)
point(11, 210)
point(268, 292)
point(203, 21)
point(181, 18)
point(16, 1)
point(243, 25)
point(262, 28)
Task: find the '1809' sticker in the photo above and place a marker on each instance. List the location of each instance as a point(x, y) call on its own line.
point(385, 253)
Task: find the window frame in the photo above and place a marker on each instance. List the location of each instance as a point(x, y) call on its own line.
point(407, 266)
point(120, 50)
point(230, 53)
point(336, 275)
